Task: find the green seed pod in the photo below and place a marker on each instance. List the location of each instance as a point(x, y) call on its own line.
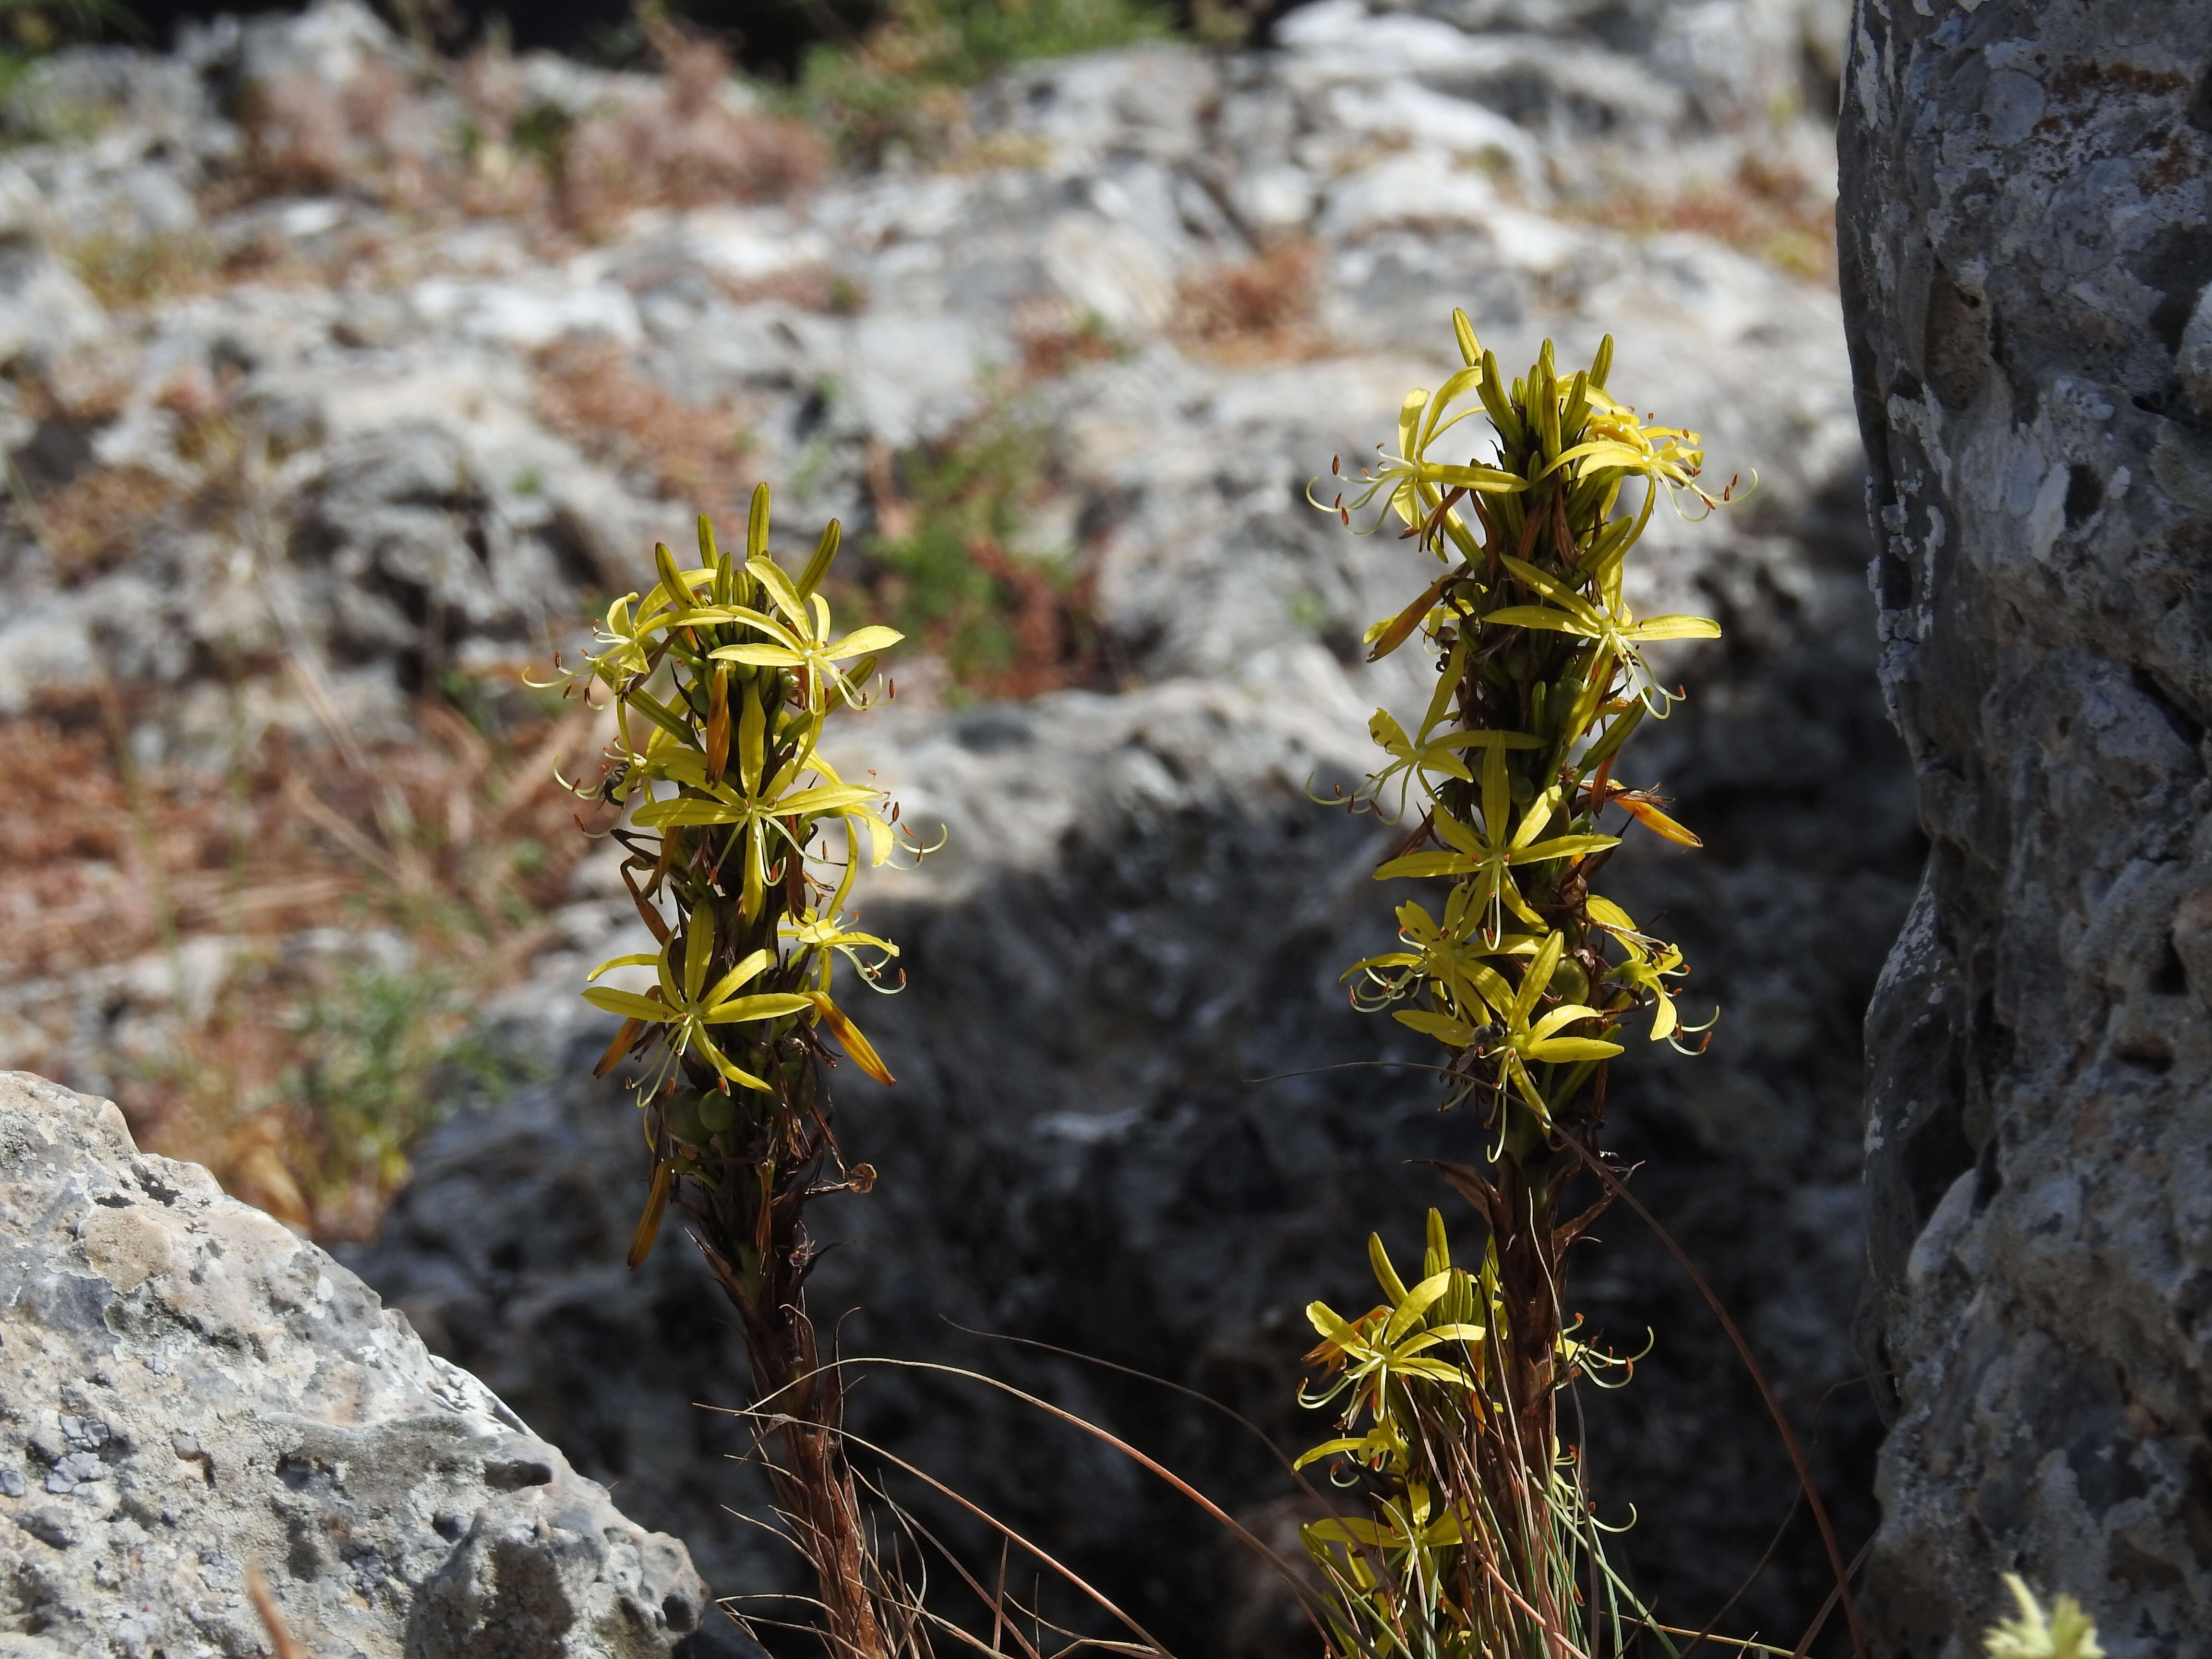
point(680, 1114)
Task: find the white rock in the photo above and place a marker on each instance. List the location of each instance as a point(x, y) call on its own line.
point(525, 315)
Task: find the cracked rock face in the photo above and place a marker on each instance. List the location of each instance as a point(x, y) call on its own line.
point(188, 1392)
point(2028, 271)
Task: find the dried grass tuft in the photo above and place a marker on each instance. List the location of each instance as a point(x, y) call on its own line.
point(365, 140)
point(1260, 311)
point(1772, 212)
point(387, 137)
point(175, 904)
point(95, 522)
point(685, 148)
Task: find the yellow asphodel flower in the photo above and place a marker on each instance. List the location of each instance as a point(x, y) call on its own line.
point(1648, 970)
point(1650, 962)
point(1441, 953)
point(686, 1002)
point(1610, 626)
point(1670, 457)
point(806, 643)
point(828, 936)
point(1414, 486)
point(1410, 1535)
point(1486, 852)
point(1520, 1040)
point(1389, 1344)
point(762, 810)
point(1417, 758)
point(2064, 1632)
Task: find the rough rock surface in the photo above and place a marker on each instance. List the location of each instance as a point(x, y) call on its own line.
point(2027, 265)
point(188, 1392)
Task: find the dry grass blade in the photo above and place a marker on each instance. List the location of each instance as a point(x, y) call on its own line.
point(1152, 1644)
point(1243, 1534)
point(1842, 1591)
point(280, 1640)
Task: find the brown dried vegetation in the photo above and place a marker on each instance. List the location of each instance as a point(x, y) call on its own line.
point(389, 138)
point(1774, 213)
point(685, 148)
point(1259, 311)
point(457, 845)
point(92, 523)
point(588, 392)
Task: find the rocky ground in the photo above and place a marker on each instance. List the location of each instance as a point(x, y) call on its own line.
point(326, 414)
point(196, 1398)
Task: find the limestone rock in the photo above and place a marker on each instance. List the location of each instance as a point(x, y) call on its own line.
point(188, 1391)
point(2025, 249)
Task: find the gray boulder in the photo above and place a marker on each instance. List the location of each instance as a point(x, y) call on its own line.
point(2025, 250)
point(191, 1393)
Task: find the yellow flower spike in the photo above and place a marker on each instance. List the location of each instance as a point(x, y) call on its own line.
point(1512, 765)
point(722, 804)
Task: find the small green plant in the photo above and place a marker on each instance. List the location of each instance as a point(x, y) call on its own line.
point(377, 1047)
point(29, 30)
point(1478, 1539)
point(942, 564)
point(720, 679)
point(2064, 1632)
point(899, 88)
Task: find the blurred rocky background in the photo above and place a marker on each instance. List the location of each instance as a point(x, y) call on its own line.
point(351, 360)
